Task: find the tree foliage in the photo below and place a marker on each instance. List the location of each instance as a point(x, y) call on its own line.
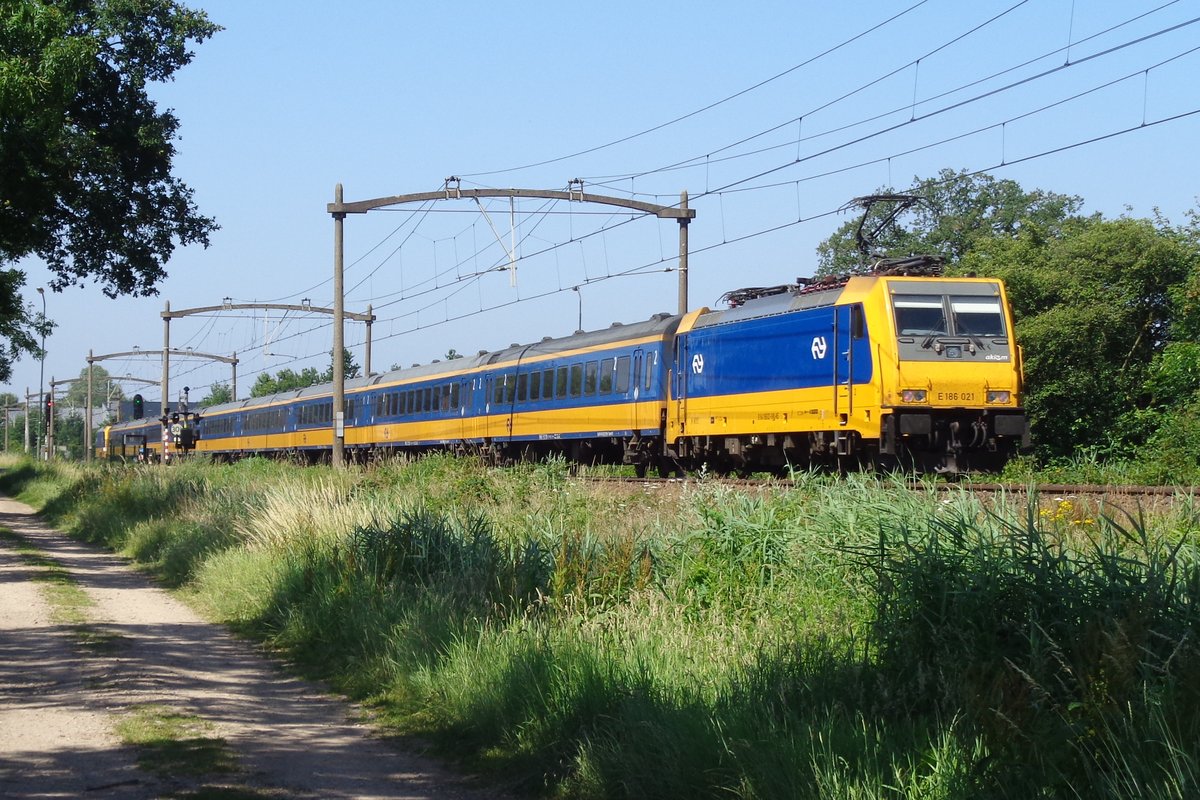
point(957, 210)
point(1097, 316)
point(85, 154)
point(102, 388)
point(283, 381)
point(217, 393)
point(288, 380)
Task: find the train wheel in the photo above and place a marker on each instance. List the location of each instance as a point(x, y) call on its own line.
point(669, 467)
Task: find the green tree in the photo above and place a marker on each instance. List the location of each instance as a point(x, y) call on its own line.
point(85, 154)
point(14, 411)
point(217, 393)
point(286, 380)
point(350, 368)
point(101, 383)
point(69, 435)
point(264, 385)
point(957, 211)
point(15, 433)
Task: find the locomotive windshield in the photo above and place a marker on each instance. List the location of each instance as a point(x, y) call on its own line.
point(948, 315)
point(920, 315)
point(977, 316)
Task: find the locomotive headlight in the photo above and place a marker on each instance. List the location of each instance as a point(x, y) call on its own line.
point(998, 397)
point(913, 395)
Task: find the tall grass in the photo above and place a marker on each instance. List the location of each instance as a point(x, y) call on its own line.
point(844, 638)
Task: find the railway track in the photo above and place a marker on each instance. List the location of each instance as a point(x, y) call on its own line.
point(1045, 489)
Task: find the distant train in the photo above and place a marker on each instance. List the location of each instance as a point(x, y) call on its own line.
point(899, 367)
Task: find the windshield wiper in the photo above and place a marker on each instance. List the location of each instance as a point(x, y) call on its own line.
point(931, 339)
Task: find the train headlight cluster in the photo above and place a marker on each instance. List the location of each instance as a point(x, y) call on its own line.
point(998, 397)
point(914, 395)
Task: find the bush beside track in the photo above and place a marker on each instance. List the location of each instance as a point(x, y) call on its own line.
point(837, 639)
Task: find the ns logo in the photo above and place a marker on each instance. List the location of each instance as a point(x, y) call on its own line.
point(819, 347)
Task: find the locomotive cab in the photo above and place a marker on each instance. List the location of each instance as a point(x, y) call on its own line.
point(954, 395)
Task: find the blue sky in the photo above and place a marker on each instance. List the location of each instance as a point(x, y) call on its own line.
point(391, 98)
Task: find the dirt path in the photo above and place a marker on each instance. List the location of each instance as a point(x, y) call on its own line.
point(60, 700)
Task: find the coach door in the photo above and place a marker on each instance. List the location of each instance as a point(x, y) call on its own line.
point(678, 379)
point(634, 392)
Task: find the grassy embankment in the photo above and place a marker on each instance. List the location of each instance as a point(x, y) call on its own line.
point(840, 639)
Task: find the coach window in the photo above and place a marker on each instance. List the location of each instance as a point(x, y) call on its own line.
point(606, 376)
point(510, 388)
point(429, 401)
point(622, 375)
point(560, 387)
point(522, 387)
point(454, 395)
point(498, 389)
point(576, 380)
point(651, 360)
point(590, 370)
point(535, 386)
point(548, 384)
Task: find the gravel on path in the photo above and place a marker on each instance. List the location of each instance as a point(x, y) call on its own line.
point(59, 700)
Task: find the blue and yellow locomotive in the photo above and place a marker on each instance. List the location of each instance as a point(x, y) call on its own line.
point(917, 370)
